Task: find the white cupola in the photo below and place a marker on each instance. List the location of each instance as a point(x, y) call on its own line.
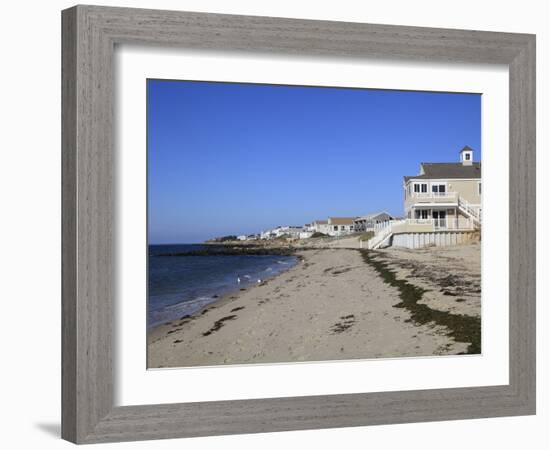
point(466, 156)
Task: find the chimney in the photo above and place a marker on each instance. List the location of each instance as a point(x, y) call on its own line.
point(466, 156)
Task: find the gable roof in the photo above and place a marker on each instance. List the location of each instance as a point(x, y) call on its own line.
point(341, 220)
point(320, 222)
point(373, 215)
point(447, 170)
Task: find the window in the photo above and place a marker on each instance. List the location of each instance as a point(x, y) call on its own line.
point(467, 156)
point(335, 227)
point(479, 187)
point(416, 187)
point(421, 213)
point(424, 187)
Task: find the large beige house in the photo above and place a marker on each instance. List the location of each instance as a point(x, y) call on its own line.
point(445, 195)
point(442, 206)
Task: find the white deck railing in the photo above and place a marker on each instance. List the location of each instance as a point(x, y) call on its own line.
point(439, 195)
point(419, 221)
point(469, 210)
point(451, 223)
point(384, 229)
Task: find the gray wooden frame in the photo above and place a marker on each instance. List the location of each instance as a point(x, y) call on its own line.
point(89, 36)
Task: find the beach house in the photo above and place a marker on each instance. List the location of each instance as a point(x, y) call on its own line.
point(442, 205)
point(338, 226)
point(447, 193)
point(367, 223)
point(293, 231)
point(281, 231)
point(319, 226)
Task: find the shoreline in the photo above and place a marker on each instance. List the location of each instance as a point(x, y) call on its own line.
point(235, 250)
point(224, 292)
point(332, 305)
point(223, 299)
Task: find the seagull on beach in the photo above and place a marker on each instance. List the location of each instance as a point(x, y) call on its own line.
point(238, 280)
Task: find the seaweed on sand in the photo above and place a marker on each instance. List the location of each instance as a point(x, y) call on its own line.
point(462, 328)
point(218, 324)
point(345, 323)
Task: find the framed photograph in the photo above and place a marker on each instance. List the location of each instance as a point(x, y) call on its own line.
point(277, 224)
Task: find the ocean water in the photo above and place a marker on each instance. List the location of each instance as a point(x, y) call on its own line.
point(180, 285)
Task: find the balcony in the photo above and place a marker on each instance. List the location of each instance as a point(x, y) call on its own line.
point(434, 195)
point(426, 198)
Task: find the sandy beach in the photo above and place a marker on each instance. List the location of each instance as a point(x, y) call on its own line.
point(336, 304)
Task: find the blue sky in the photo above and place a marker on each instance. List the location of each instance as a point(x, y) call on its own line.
point(229, 158)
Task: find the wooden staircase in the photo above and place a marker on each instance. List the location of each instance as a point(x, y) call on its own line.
point(472, 213)
point(383, 234)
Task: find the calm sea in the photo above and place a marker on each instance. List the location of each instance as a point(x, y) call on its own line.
point(180, 285)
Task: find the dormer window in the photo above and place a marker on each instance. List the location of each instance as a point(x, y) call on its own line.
point(467, 157)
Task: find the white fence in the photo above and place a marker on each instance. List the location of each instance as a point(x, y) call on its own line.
point(451, 223)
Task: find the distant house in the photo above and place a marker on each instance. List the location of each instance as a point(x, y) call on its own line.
point(288, 230)
point(293, 231)
point(268, 234)
point(319, 226)
point(367, 223)
point(448, 193)
point(338, 226)
point(242, 237)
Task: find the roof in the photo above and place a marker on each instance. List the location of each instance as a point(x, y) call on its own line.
point(373, 215)
point(447, 170)
point(320, 222)
point(341, 220)
point(466, 149)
